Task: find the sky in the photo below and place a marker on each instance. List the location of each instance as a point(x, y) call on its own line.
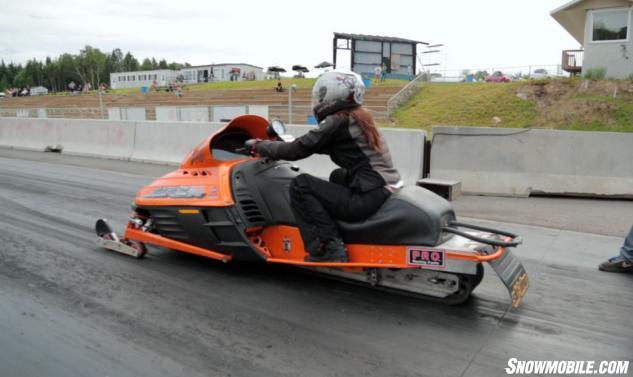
point(475, 34)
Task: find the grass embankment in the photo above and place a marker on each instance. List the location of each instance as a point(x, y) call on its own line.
point(567, 104)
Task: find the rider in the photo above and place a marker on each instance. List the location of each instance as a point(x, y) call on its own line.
point(348, 134)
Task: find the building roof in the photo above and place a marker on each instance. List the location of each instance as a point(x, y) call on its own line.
point(365, 37)
point(218, 64)
point(572, 15)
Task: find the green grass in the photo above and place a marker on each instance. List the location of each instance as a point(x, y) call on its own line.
point(559, 104)
point(467, 104)
point(607, 114)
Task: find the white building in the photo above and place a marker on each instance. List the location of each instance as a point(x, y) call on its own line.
point(221, 72)
point(603, 28)
point(188, 75)
point(138, 79)
point(38, 90)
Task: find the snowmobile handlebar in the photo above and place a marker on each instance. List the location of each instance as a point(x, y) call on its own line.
point(514, 239)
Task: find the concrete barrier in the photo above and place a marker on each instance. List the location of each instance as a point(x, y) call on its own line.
point(226, 113)
point(29, 133)
point(406, 147)
point(518, 162)
point(167, 113)
point(194, 114)
point(169, 142)
point(101, 138)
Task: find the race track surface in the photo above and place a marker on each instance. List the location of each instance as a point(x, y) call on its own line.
point(68, 308)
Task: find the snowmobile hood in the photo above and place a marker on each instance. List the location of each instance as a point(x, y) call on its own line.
point(202, 156)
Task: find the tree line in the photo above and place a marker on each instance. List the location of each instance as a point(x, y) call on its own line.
point(91, 65)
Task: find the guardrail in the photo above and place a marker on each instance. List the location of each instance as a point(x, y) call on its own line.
point(572, 61)
point(405, 93)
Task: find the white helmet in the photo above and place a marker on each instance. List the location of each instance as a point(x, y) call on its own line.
point(336, 90)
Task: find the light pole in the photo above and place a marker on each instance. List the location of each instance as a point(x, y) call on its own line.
point(292, 88)
point(100, 96)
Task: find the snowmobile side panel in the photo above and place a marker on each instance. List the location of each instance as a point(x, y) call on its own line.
point(285, 245)
point(209, 187)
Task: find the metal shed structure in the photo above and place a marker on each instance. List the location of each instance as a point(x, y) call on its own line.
point(368, 51)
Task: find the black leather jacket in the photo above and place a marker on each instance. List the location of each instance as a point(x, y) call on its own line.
point(343, 140)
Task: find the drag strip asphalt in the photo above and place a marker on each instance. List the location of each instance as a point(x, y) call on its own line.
point(68, 308)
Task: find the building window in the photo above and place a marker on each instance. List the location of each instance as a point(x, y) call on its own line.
point(611, 25)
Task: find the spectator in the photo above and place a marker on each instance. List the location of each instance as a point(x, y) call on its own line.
point(383, 74)
point(279, 87)
point(178, 90)
point(624, 261)
point(377, 73)
point(410, 72)
point(72, 86)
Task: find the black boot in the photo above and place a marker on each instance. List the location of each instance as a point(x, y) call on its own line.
point(616, 264)
point(334, 250)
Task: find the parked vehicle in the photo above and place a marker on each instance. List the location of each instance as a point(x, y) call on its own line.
point(539, 74)
point(498, 76)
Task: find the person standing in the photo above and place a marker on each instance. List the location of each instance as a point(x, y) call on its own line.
point(622, 262)
point(410, 72)
point(377, 73)
point(384, 72)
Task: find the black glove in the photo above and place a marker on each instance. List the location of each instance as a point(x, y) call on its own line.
point(250, 145)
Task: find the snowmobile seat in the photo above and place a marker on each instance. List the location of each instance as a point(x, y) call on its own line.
point(412, 216)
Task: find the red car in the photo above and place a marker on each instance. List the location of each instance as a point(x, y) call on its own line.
point(498, 76)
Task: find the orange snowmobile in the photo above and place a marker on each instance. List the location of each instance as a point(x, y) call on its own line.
point(222, 203)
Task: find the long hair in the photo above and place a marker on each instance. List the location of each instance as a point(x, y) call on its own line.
point(366, 122)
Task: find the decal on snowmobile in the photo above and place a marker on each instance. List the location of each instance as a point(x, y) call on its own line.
point(177, 192)
point(519, 289)
point(425, 257)
point(287, 245)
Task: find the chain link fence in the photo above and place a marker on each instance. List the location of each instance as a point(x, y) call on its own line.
point(516, 73)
